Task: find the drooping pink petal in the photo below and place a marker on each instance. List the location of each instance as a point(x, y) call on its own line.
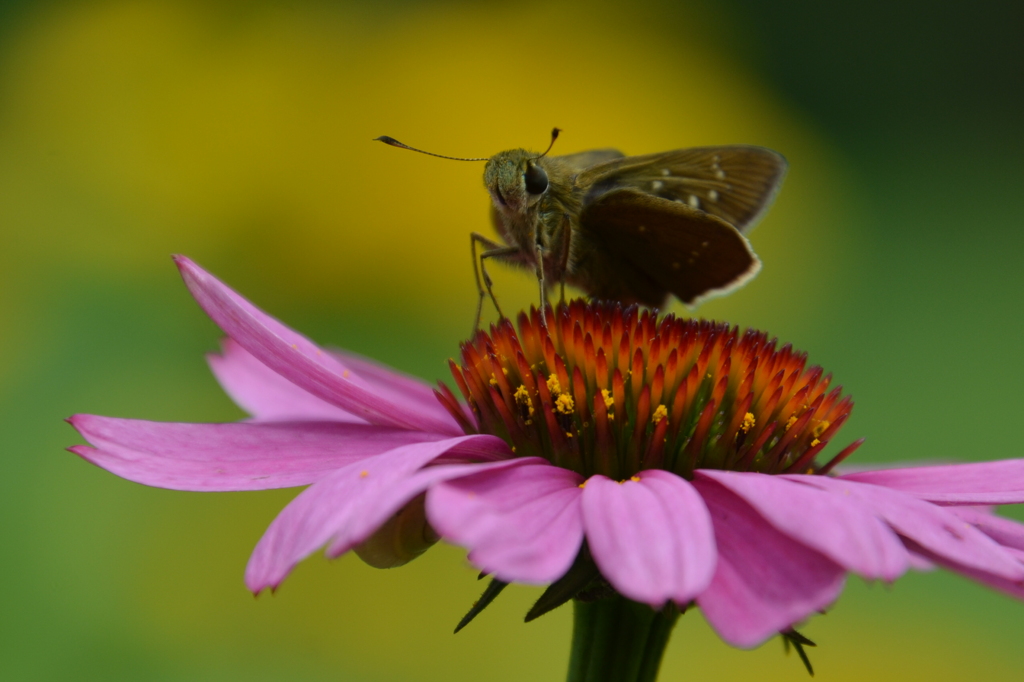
point(265, 394)
point(1006, 532)
point(651, 538)
point(1014, 588)
point(300, 361)
point(236, 456)
point(379, 508)
point(345, 506)
point(919, 563)
point(765, 581)
point(1000, 482)
point(842, 530)
point(935, 529)
point(388, 382)
point(521, 524)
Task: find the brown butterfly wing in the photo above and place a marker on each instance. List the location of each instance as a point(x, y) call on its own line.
point(736, 183)
point(581, 160)
point(652, 245)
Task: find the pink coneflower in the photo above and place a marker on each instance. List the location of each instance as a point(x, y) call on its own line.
point(624, 459)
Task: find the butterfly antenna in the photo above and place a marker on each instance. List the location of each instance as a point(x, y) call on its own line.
point(395, 143)
point(554, 136)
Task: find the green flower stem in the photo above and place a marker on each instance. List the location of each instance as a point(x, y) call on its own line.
point(617, 640)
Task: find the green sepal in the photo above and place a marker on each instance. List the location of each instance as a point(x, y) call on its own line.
point(798, 641)
point(579, 577)
point(493, 589)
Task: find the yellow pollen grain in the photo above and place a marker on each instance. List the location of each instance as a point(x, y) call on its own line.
point(815, 443)
point(568, 435)
point(609, 401)
point(583, 485)
point(345, 374)
point(364, 473)
point(553, 386)
point(493, 381)
point(565, 404)
point(611, 416)
point(522, 397)
point(635, 479)
point(789, 424)
point(660, 413)
point(820, 427)
point(748, 422)
point(295, 346)
point(513, 448)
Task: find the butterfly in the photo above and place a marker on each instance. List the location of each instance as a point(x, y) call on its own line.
point(633, 229)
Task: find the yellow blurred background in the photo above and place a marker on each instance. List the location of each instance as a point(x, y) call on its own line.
point(239, 134)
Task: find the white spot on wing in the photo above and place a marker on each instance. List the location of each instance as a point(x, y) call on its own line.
point(712, 195)
point(666, 172)
point(693, 201)
point(720, 174)
point(657, 185)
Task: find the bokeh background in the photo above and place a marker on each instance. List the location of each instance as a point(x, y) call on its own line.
point(239, 133)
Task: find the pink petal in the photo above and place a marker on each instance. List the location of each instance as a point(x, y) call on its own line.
point(765, 581)
point(521, 524)
point(237, 456)
point(652, 538)
point(344, 507)
point(843, 531)
point(389, 383)
point(265, 394)
point(933, 528)
point(301, 362)
point(1007, 533)
point(919, 563)
point(1000, 482)
point(1004, 531)
point(1014, 588)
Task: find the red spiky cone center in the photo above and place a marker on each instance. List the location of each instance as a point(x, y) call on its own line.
point(602, 389)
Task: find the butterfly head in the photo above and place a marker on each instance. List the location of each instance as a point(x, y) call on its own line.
point(516, 180)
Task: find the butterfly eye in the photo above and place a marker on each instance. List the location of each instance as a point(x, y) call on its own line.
point(536, 179)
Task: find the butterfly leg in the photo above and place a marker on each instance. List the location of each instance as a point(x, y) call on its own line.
point(563, 266)
point(483, 280)
point(540, 280)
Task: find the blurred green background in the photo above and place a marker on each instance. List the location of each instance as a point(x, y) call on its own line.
point(239, 134)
